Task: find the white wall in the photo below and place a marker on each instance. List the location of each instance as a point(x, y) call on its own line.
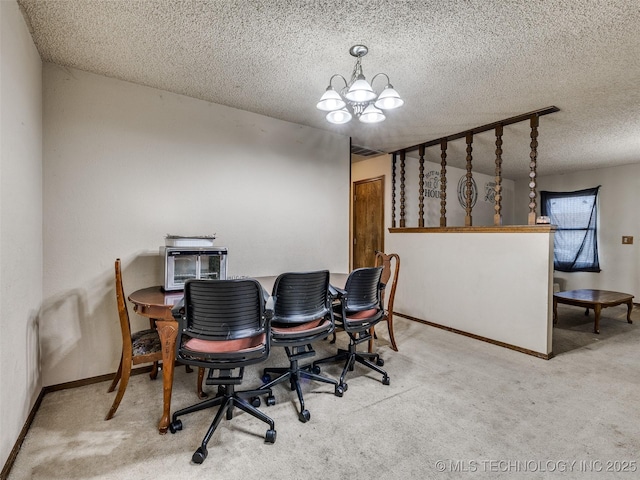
point(618, 198)
point(20, 223)
point(494, 285)
point(125, 164)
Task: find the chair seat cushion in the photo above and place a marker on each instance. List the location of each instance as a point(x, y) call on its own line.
point(226, 346)
point(145, 342)
point(311, 327)
point(363, 316)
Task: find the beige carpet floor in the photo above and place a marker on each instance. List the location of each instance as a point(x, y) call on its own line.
point(456, 407)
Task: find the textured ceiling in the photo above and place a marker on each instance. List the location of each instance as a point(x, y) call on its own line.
point(458, 64)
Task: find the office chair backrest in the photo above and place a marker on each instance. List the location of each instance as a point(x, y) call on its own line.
point(301, 297)
point(224, 309)
point(363, 289)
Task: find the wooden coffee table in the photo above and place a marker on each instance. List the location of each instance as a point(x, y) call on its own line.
point(595, 299)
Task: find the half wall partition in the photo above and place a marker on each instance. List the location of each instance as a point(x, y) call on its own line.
point(491, 282)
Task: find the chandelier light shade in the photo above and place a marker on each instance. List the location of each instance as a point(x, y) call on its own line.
point(389, 98)
point(372, 115)
point(360, 91)
point(339, 116)
point(331, 100)
point(358, 97)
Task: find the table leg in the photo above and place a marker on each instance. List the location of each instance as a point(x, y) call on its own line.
point(201, 394)
point(597, 309)
point(154, 370)
point(555, 310)
point(168, 331)
point(629, 308)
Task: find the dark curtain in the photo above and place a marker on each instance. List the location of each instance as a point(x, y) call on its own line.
point(576, 216)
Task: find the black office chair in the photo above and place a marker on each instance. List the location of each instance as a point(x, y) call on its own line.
point(360, 308)
point(223, 326)
point(302, 315)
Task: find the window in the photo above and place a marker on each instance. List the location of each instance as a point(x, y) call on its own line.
point(576, 240)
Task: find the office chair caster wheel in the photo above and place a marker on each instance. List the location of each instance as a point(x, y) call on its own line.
point(266, 378)
point(339, 391)
point(255, 401)
point(270, 436)
point(385, 380)
point(304, 416)
point(345, 387)
point(175, 426)
point(199, 455)
point(380, 362)
point(271, 400)
point(315, 369)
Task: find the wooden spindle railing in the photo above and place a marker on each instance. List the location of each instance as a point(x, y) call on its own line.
point(421, 189)
point(532, 170)
point(393, 190)
point(497, 216)
point(469, 194)
point(469, 185)
point(402, 203)
point(443, 183)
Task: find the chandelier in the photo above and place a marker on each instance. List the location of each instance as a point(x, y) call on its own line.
point(358, 95)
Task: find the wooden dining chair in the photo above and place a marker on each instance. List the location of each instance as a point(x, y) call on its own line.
point(391, 267)
point(138, 347)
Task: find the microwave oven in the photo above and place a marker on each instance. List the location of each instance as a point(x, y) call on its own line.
point(183, 263)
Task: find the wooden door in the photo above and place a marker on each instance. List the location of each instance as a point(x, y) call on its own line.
point(368, 221)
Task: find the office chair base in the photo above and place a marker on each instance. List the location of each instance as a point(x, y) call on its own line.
point(293, 374)
point(199, 455)
point(304, 416)
point(352, 356)
point(227, 399)
point(175, 426)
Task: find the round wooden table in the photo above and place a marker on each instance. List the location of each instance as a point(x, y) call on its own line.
point(154, 303)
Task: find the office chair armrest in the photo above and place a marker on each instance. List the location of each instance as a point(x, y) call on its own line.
point(268, 314)
point(269, 303)
point(266, 294)
point(336, 292)
point(178, 309)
